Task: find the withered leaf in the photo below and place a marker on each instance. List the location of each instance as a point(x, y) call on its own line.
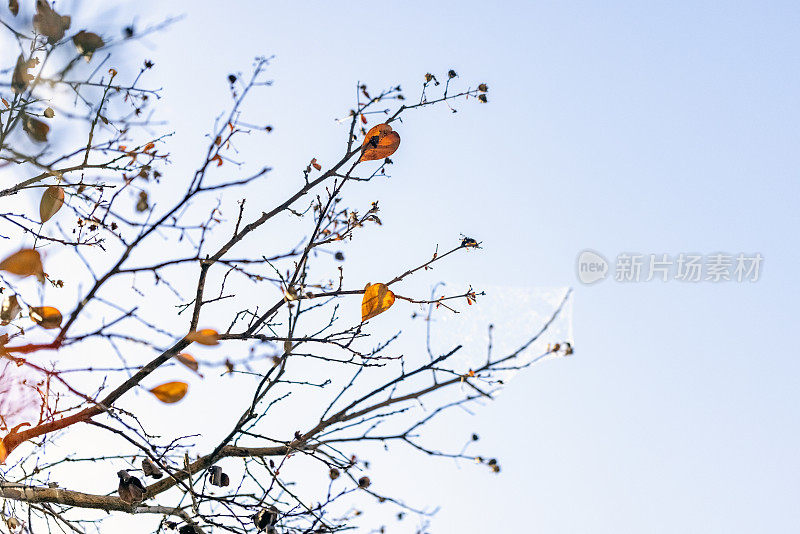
point(150, 469)
point(49, 113)
point(36, 129)
point(47, 317)
point(142, 204)
point(381, 142)
point(188, 360)
point(49, 23)
point(170, 392)
point(10, 310)
point(21, 77)
point(13, 6)
point(206, 336)
point(377, 299)
point(25, 262)
point(87, 43)
point(52, 200)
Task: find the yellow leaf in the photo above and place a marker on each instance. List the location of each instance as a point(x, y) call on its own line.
point(47, 317)
point(52, 200)
point(3, 453)
point(206, 336)
point(380, 142)
point(25, 262)
point(377, 299)
point(188, 360)
point(170, 392)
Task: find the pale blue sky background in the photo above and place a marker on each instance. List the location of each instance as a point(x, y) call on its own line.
point(618, 126)
point(661, 127)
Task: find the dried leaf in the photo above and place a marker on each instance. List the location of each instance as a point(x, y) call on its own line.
point(170, 392)
point(52, 200)
point(381, 142)
point(47, 317)
point(10, 310)
point(206, 336)
point(21, 77)
point(13, 6)
point(87, 43)
point(49, 113)
point(142, 204)
point(3, 453)
point(49, 23)
point(218, 159)
point(377, 299)
point(188, 360)
point(150, 469)
point(36, 129)
point(25, 262)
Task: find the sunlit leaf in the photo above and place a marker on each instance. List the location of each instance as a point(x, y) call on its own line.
point(377, 299)
point(49, 23)
point(25, 262)
point(170, 392)
point(10, 310)
point(87, 43)
point(206, 336)
point(381, 142)
point(47, 317)
point(188, 360)
point(3, 453)
point(52, 200)
point(36, 129)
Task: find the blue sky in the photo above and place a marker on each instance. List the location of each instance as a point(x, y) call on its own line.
point(651, 127)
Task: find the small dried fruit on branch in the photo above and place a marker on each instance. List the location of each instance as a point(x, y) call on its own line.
point(87, 43)
point(333, 473)
point(49, 113)
point(206, 336)
point(381, 142)
point(377, 299)
point(483, 88)
point(363, 482)
point(52, 200)
point(49, 23)
point(25, 262)
point(47, 317)
point(170, 392)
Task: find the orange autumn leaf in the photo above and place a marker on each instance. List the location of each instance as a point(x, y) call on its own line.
point(206, 336)
point(218, 159)
point(381, 142)
point(3, 453)
point(52, 200)
point(25, 262)
point(377, 299)
point(47, 317)
point(188, 360)
point(170, 392)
